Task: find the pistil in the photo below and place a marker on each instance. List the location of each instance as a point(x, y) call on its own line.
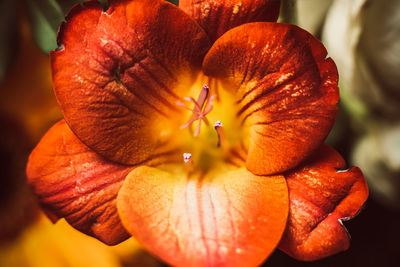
point(201, 108)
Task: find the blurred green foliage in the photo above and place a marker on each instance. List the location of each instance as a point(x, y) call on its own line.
point(45, 16)
point(175, 2)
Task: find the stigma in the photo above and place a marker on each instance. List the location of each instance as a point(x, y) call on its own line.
point(201, 107)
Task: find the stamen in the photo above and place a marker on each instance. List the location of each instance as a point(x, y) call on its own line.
point(201, 108)
point(187, 157)
point(220, 132)
point(217, 124)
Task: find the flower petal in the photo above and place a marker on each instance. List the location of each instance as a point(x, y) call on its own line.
point(118, 74)
point(73, 182)
point(286, 88)
point(322, 194)
point(218, 16)
point(225, 218)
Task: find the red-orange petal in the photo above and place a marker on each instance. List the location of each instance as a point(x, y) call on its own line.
point(286, 88)
point(118, 74)
point(218, 16)
point(73, 182)
point(322, 194)
point(225, 218)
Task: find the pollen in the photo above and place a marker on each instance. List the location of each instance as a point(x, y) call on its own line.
point(217, 124)
point(187, 157)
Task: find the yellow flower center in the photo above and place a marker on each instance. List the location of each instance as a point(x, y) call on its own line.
point(212, 134)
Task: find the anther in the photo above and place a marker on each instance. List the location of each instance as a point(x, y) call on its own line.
point(187, 157)
point(220, 132)
point(201, 108)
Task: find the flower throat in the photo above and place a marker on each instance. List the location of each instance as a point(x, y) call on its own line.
point(204, 147)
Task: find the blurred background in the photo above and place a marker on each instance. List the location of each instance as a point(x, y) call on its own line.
point(362, 36)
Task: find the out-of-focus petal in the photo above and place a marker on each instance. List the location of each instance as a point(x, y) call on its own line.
point(311, 14)
point(363, 38)
point(378, 155)
point(286, 89)
point(47, 245)
point(73, 182)
point(222, 218)
point(118, 75)
point(26, 94)
point(218, 16)
point(322, 193)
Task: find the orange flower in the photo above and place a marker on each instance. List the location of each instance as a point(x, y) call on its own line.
point(141, 87)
